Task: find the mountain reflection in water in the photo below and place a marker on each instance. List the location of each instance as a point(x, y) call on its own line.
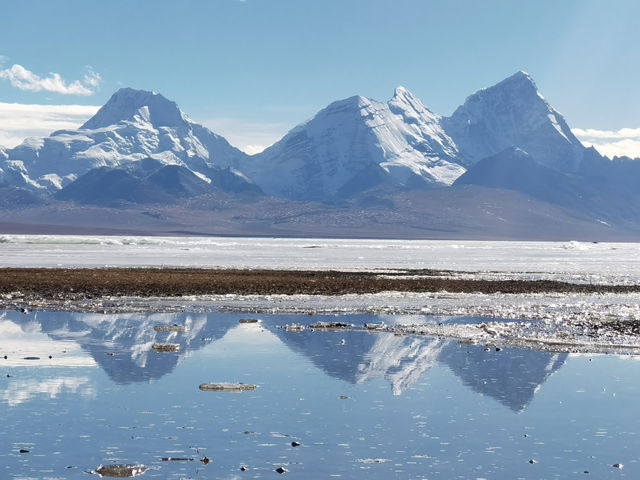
point(122, 346)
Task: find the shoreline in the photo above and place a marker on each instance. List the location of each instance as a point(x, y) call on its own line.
point(541, 314)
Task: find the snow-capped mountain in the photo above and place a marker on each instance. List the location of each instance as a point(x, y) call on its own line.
point(357, 143)
point(359, 155)
point(513, 113)
point(132, 125)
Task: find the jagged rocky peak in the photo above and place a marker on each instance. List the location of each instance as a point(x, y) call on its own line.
point(403, 100)
point(128, 104)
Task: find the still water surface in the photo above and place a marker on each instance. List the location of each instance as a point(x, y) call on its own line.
point(359, 404)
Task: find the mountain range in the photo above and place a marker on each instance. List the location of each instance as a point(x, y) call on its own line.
point(504, 165)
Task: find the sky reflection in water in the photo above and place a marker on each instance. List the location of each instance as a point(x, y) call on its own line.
point(378, 405)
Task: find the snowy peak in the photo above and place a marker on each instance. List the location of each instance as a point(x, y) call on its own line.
point(357, 144)
point(352, 107)
point(520, 82)
point(404, 101)
point(128, 104)
point(131, 126)
point(514, 113)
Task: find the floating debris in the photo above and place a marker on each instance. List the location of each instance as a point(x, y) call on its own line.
point(227, 387)
point(166, 347)
point(294, 327)
point(120, 471)
point(248, 320)
point(329, 325)
point(170, 328)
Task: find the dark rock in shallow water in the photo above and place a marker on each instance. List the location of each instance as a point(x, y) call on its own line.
point(120, 471)
point(166, 347)
point(169, 328)
point(227, 387)
point(329, 325)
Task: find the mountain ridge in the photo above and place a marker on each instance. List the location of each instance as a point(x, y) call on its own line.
point(356, 155)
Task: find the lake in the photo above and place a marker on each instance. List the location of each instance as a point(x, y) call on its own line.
point(81, 390)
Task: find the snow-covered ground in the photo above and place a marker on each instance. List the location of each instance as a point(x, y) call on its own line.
point(598, 263)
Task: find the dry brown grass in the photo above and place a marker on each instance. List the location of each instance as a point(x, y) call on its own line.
point(147, 282)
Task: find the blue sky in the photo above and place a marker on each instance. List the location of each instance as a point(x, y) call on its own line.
point(252, 69)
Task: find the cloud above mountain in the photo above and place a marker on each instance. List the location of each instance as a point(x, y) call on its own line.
point(611, 143)
point(24, 79)
point(19, 121)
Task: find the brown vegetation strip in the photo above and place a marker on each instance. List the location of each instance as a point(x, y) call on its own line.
point(145, 282)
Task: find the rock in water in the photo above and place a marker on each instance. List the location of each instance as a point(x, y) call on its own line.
point(227, 387)
point(120, 471)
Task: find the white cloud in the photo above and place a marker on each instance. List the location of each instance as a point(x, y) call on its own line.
point(250, 137)
point(21, 391)
point(19, 121)
point(611, 143)
point(25, 79)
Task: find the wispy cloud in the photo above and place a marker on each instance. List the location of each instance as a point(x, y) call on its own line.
point(250, 137)
point(611, 143)
point(19, 121)
point(25, 79)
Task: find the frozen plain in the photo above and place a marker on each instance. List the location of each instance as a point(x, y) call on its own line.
point(598, 263)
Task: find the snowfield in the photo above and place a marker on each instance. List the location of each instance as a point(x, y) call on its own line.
point(577, 262)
